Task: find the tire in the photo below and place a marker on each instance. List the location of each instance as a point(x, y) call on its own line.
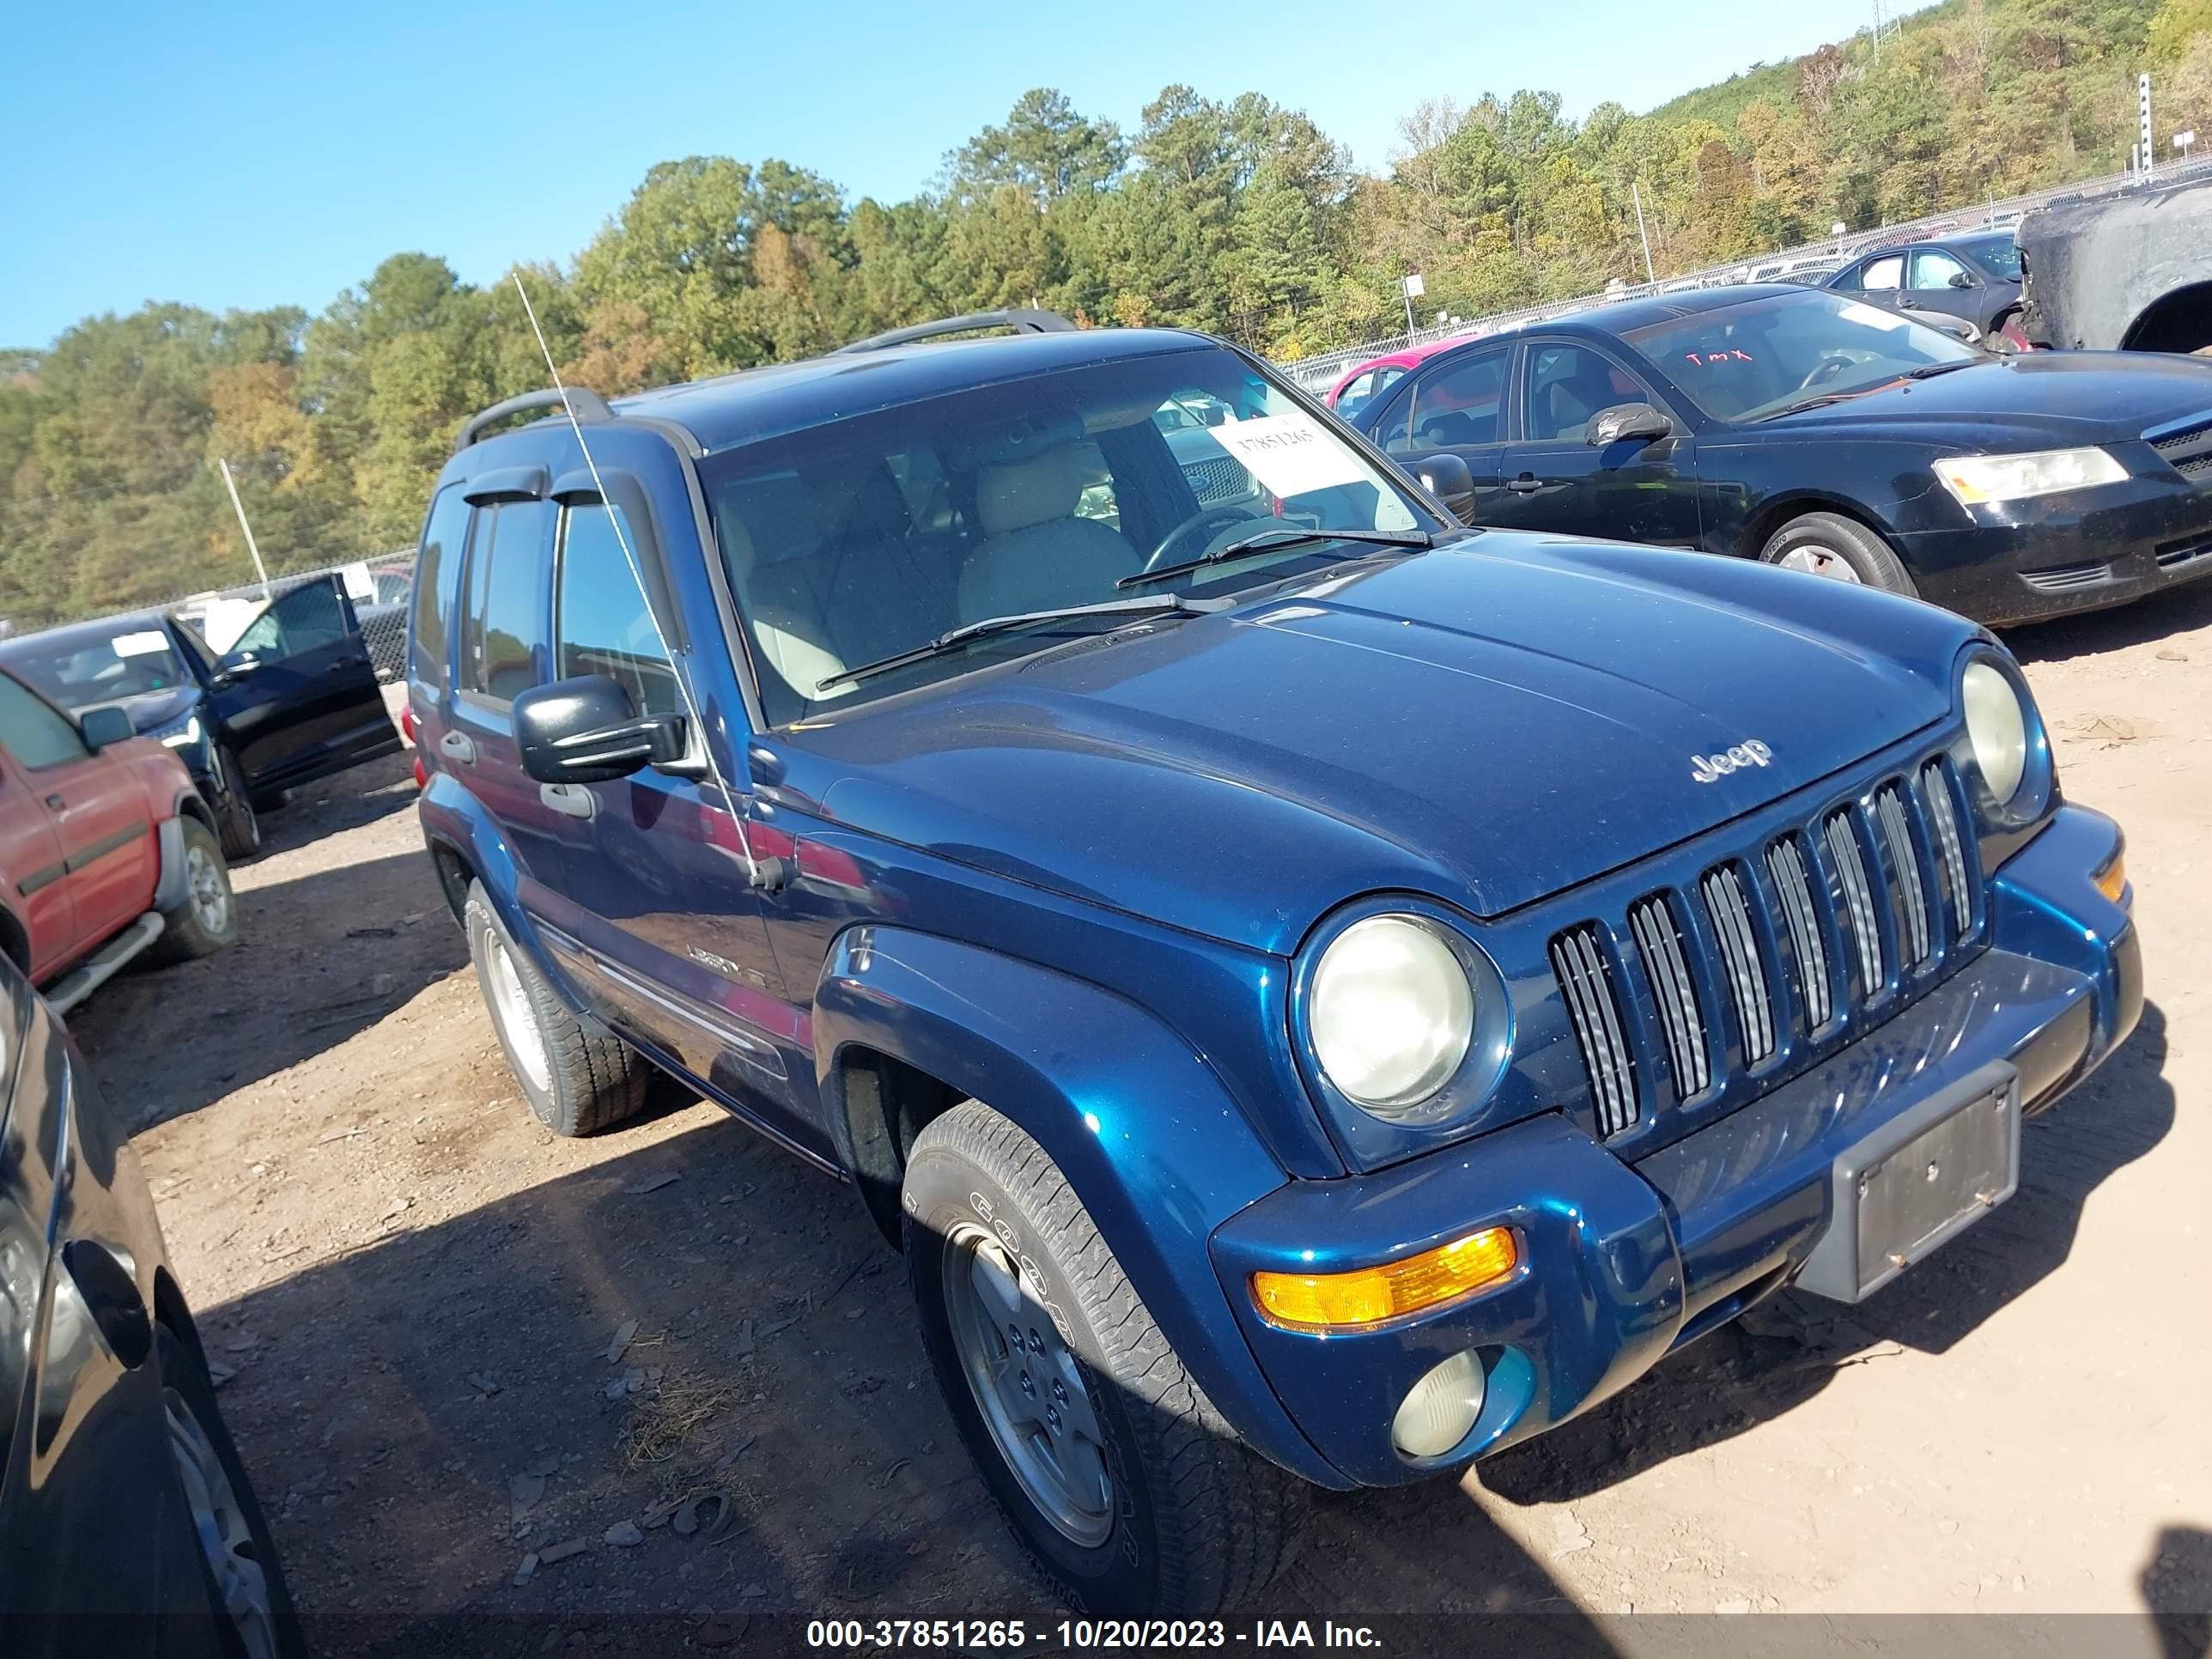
point(233, 808)
point(1841, 550)
point(248, 1598)
point(1172, 1516)
point(577, 1081)
point(206, 920)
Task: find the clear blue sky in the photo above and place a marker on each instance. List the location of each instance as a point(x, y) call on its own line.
point(264, 154)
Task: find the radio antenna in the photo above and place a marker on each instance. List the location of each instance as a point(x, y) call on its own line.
point(637, 574)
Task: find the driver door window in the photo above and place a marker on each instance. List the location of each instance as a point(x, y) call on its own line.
point(307, 617)
point(1567, 384)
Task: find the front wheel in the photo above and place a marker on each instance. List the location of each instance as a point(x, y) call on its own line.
point(233, 807)
point(1123, 1483)
point(1841, 550)
point(206, 919)
point(577, 1081)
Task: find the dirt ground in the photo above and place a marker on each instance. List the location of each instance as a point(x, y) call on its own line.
point(460, 1345)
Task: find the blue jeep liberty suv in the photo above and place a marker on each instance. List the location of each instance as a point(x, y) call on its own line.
point(1318, 992)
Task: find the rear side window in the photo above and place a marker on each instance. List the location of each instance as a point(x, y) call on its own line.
point(601, 624)
point(504, 621)
point(32, 730)
point(434, 567)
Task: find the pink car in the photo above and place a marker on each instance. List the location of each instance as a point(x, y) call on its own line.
point(1378, 375)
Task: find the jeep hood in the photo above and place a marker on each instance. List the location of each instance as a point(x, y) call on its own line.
point(1489, 723)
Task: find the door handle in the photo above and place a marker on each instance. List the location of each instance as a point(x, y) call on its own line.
point(458, 745)
point(572, 799)
point(1527, 483)
point(57, 803)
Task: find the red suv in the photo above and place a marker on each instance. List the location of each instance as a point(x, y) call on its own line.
point(106, 848)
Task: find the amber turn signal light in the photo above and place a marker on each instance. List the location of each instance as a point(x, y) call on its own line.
point(2112, 880)
point(1369, 1296)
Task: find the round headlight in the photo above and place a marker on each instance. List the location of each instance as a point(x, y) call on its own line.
point(1392, 1012)
point(1996, 726)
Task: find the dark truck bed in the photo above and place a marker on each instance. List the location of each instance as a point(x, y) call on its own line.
point(2127, 272)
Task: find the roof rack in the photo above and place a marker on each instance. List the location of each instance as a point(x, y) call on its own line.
point(583, 404)
point(1022, 322)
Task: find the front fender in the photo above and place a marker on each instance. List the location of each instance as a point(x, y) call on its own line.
point(1139, 1125)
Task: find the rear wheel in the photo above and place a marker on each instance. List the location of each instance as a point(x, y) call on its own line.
point(1126, 1487)
point(577, 1081)
point(233, 808)
point(206, 918)
point(1829, 546)
point(247, 1597)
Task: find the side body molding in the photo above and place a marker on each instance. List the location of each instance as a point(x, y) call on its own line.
point(1081, 1070)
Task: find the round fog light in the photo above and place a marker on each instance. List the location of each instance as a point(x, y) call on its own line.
point(1439, 1410)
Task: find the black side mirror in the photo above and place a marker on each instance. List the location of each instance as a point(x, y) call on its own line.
point(102, 728)
point(587, 730)
point(238, 663)
point(1627, 423)
point(1445, 476)
point(1961, 279)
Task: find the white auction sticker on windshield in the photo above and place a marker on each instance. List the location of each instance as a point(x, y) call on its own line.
point(153, 642)
point(1290, 453)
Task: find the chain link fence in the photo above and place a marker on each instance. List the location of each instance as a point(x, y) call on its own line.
point(1809, 264)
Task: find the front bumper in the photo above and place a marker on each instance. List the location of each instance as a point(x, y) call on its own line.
point(2052, 556)
point(1620, 1263)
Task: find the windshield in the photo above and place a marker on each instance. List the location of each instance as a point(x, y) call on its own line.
point(859, 539)
point(1745, 361)
point(83, 671)
point(1998, 255)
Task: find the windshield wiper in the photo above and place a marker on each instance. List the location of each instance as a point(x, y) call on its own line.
point(968, 633)
point(1269, 540)
point(1929, 371)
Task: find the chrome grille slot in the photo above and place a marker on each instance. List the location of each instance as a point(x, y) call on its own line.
point(1578, 960)
point(1858, 897)
point(1731, 916)
point(1659, 944)
point(1944, 813)
point(1786, 864)
point(1897, 841)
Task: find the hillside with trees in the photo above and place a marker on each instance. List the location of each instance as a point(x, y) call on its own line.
point(1240, 217)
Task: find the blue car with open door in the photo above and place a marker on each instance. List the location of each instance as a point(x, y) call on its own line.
point(1318, 992)
point(292, 695)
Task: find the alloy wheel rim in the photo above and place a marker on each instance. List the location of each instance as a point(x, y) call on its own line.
point(518, 1020)
point(219, 1522)
point(1028, 1386)
point(210, 894)
point(1815, 560)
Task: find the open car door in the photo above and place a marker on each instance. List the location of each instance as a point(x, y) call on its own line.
point(296, 691)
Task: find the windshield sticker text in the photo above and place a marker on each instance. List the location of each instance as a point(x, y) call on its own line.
point(1290, 455)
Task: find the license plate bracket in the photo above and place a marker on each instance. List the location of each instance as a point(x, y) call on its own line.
point(1916, 1182)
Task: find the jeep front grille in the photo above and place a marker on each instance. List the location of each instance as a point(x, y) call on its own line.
point(1749, 969)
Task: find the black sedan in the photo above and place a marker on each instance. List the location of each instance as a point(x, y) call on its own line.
point(1976, 279)
point(1816, 431)
point(294, 698)
point(127, 1524)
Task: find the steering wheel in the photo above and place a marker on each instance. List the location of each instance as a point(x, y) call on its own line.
point(1824, 371)
point(1220, 517)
